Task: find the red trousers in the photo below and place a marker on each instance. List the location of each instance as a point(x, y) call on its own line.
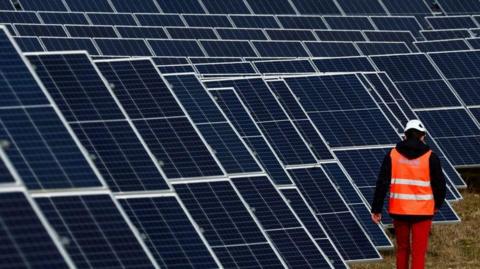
point(412, 237)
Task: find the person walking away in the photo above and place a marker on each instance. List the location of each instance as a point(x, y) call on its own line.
point(413, 176)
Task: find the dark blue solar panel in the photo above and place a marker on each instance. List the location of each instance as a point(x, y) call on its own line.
point(76, 87)
point(6, 175)
point(207, 21)
point(350, 64)
point(303, 22)
point(28, 44)
point(111, 19)
point(297, 250)
point(6, 5)
point(241, 34)
point(315, 7)
point(398, 24)
point(282, 34)
point(93, 223)
point(40, 30)
point(343, 184)
point(178, 148)
point(63, 18)
point(225, 68)
point(175, 69)
point(456, 65)
point(228, 48)
point(175, 48)
point(332, 49)
point(171, 236)
point(359, 7)
point(25, 241)
point(463, 7)
point(374, 231)
point(285, 66)
point(461, 150)
point(271, 7)
point(123, 47)
point(473, 42)
point(254, 21)
point(407, 67)
point(410, 7)
point(451, 22)
point(185, 6)
point(443, 45)
point(253, 256)
point(141, 32)
point(159, 19)
point(18, 17)
point(142, 6)
point(377, 48)
point(339, 35)
point(349, 23)
point(451, 172)
point(445, 34)
point(191, 33)
point(90, 31)
point(89, 5)
point(169, 60)
point(59, 44)
point(280, 49)
point(52, 5)
point(392, 36)
point(449, 123)
point(119, 156)
point(226, 7)
point(229, 149)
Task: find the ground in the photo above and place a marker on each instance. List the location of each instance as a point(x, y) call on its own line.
point(453, 245)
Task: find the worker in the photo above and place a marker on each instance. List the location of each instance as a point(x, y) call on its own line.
point(412, 174)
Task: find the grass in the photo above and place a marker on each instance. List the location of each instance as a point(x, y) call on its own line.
point(451, 245)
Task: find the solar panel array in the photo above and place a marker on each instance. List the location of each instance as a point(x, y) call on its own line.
point(222, 134)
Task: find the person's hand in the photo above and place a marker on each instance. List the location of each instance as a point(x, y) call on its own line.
point(376, 217)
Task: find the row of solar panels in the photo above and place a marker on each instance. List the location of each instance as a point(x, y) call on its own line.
point(344, 7)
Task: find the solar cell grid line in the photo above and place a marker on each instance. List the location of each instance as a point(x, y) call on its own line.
point(280, 49)
point(18, 17)
point(203, 60)
point(174, 48)
point(474, 43)
point(284, 66)
point(40, 30)
point(89, 5)
point(191, 33)
point(57, 160)
point(62, 44)
point(302, 22)
point(95, 221)
point(442, 45)
point(141, 32)
point(445, 34)
point(331, 48)
point(142, 6)
point(285, 34)
point(241, 34)
point(121, 156)
point(228, 48)
point(171, 69)
point(112, 19)
point(451, 22)
point(91, 31)
point(169, 60)
point(398, 23)
point(288, 234)
point(160, 119)
point(378, 48)
point(343, 64)
point(77, 18)
point(7, 172)
point(362, 7)
point(236, 239)
point(236, 68)
point(334, 214)
point(232, 152)
point(407, 8)
point(55, 5)
point(234, 109)
point(207, 20)
point(28, 44)
point(226, 7)
point(312, 7)
point(272, 119)
point(159, 19)
point(123, 47)
point(254, 21)
point(339, 35)
point(340, 95)
point(392, 36)
point(349, 23)
point(174, 239)
point(464, 7)
point(186, 7)
point(271, 7)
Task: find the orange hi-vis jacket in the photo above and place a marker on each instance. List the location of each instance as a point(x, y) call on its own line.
point(410, 190)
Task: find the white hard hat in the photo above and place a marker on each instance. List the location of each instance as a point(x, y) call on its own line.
point(415, 124)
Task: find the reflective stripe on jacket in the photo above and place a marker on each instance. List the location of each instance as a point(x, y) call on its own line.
point(410, 190)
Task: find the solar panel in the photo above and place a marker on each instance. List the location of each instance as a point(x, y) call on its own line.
point(63, 18)
point(207, 20)
point(271, 7)
point(442, 45)
point(89, 5)
point(331, 49)
point(90, 31)
point(451, 22)
point(349, 23)
point(303, 22)
point(225, 48)
point(191, 33)
point(40, 30)
point(226, 7)
point(206, 60)
point(186, 6)
point(361, 7)
point(287, 233)
point(141, 32)
point(299, 35)
point(334, 214)
point(225, 68)
point(316, 8)
point(123, 47)
point(473, 42)
point(398, 24)
point(173, 69)
point(339, 35)
point(410, 7)
point(18, 17)
point(164, 47)
point(25, 239)
point(143, 6)
point(392, 36)
point(55, 5)
point(378, 48)
point(171, 236)
point(241, 34)
point(445, 34)
point(464, 7)
point(159, 19)
point(94, 222)
point(111, 19)
point(28, 44)
point(346, 64)
point(217, 209)
point(6, 5)
point(279, 49)
point(59, 44)
point(245, 21)
point(284, 66)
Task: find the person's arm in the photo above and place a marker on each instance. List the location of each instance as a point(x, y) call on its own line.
point(437, 181)
point(382, 185)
